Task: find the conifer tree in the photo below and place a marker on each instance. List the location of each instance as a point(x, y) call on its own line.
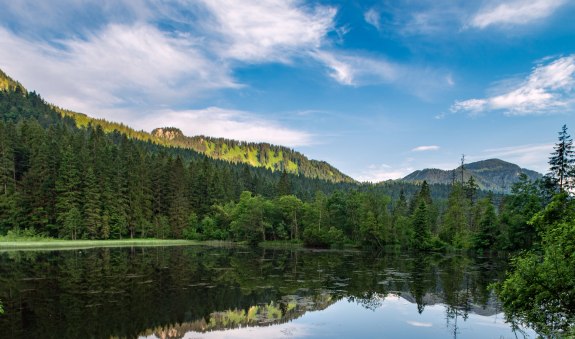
point(284, 185)
point(455, 228)
point(68, 188)
point(562, 162)
point(487, 233)
point(421, 229)
point(92, 210)
point(7, 166)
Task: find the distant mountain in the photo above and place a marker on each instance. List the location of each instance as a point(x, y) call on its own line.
point(492, 174)
point(275, 158)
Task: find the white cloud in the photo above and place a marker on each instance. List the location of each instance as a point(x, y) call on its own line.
point(425, 148)
point(424, 18)
point(232, 124)
point(473, 106)
point(378, 173)
point(364, 70)
point(419, 324)
point(517, 12)
point(267, 30)
point(116, 67)
point(341, 71)
point(549, 88)
point(372, 17)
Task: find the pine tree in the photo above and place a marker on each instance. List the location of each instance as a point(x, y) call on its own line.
point(7, 166)
point(179, 206)
point(284, 185)
point(92, 209)
point(562, 162)
point(487, 233)
point(421, 228)
point(69, 191)
point(471, 188)
point(425, 193)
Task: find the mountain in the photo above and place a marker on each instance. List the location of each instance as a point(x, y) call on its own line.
point(492, 175)
point(272, 157)
point(275, 158)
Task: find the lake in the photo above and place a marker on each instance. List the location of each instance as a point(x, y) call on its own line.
point(209, 292)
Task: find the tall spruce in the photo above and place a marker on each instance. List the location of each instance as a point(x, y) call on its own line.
point(562, 162)
point(421, 229)
point(68, 187)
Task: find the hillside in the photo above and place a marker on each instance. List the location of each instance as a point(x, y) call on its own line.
point(9, 84)
point(275, 158)
point(272, 157)
point(492, 174)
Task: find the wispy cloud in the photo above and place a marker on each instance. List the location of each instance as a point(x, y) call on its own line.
point(425, 18)
point(516, 12)
point(117, 67)
point(550, 88)
point(372, 17)
point(363, 70)
point(419, 324)
point(425, 148)
point(340, 71)
point(267, 30)
point(133, 69)
point(232, 124)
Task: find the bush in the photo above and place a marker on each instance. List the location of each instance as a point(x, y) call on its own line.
point(313, 237)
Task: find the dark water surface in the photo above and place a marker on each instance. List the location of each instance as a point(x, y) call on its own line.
point(201, 292)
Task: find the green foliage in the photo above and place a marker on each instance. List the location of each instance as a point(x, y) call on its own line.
point(192, 227)
point(23, 235)
point(314, 238)
point(527, 199)
point(488, 233)
point(540, 291)
point(455, 227)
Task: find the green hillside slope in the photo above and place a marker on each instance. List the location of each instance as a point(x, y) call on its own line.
point(275, 158)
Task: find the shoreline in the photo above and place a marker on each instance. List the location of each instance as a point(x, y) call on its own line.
point(60, 244)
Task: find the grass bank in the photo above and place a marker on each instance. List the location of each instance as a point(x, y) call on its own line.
point(7, 244)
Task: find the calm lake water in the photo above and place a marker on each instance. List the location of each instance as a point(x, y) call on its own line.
point(201, 292)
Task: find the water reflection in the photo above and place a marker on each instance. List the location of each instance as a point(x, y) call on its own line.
point(178, 292)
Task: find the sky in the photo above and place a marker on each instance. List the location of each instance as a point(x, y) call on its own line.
point(376, 88)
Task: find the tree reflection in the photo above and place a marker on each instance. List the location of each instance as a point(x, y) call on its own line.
point(169, 291)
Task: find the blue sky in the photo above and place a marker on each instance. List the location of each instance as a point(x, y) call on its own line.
point(376, 88)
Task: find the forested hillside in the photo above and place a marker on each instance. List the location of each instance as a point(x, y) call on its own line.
point(275, 158)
